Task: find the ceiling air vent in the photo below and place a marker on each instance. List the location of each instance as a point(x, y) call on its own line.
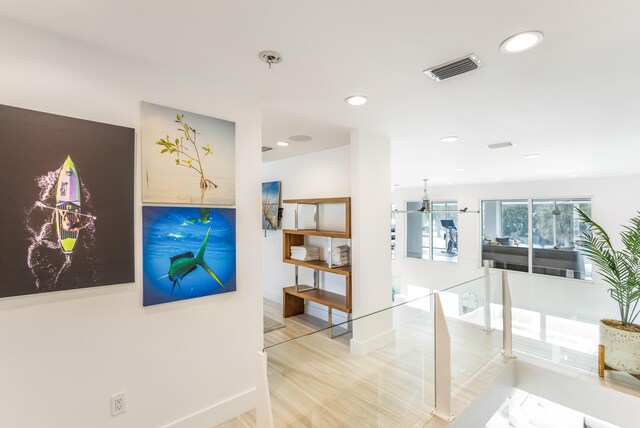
point(500, 145)
point(454, 68)
point(266, 149)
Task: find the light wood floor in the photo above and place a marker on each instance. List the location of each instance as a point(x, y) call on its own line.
point(297, 326)
point(316, 381)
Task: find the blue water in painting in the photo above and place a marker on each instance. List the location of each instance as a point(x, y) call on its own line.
point(170, 231)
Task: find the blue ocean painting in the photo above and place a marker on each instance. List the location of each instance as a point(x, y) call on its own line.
point(187, 253)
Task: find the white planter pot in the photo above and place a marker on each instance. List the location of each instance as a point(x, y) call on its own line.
point(621, 349)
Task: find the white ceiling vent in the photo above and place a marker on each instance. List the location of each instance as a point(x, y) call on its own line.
point(500, 145)
point(300, 138)
point(454, 68)
point(266, 149)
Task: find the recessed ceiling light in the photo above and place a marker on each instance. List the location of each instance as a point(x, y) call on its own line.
point(282, 143)
point(573, 175)
point(449, 139)
point(460, 169)
point(449, 183)
point(532, 155)
point(521, 42)
point(356, 100)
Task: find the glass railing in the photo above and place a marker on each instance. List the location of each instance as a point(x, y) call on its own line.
point(379, 374)
point(428, 351)
point(472, 309)
point(554, 318)
point(380, 369)
point(411, 276)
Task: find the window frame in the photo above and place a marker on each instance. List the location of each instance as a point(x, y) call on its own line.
point(530, 247)
point(430, 228)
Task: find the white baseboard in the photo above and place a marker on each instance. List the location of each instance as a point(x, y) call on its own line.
point(365, 347)
point(219, 412)
point(272, 295)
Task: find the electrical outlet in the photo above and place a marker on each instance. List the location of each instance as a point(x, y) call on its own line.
point(118, 403)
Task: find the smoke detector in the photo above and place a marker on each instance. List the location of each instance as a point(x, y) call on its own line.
point(454, 68)
point(270, 57)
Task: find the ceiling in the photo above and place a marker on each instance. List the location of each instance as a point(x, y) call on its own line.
point(575, 98)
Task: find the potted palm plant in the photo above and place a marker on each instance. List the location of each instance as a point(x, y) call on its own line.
point(621, 270)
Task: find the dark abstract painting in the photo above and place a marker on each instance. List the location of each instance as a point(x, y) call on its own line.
point(67, 216)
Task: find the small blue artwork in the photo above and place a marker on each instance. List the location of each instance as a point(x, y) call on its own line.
point(187, 253)
point(270, 205)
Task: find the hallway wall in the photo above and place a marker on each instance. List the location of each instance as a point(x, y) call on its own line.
point(183, 364)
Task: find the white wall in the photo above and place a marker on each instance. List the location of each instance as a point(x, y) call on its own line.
point(63, 354)
point(321, 174)
point(614, 201)
point(370, 178)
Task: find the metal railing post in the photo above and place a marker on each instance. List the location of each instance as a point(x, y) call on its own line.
point(442, 347)
point(487, 297)
point(264, 417)
point(507, 333)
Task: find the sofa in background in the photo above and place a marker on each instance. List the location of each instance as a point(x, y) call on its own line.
point(549, 261)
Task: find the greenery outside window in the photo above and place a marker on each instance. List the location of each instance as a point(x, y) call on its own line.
point(556, 228)
point(546, 246)
point(505, 234)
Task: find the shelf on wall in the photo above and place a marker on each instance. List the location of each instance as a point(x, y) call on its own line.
point(313, 232)
point(340, 200)
point(294, 300)
point(320, 265)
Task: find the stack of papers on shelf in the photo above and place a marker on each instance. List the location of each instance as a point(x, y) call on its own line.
point(340, 255)
point(305, 253)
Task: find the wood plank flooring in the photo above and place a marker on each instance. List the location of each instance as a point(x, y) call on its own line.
point(296, 326)
point(316, 381)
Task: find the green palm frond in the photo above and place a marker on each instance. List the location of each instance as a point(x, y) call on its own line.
point(618, 268)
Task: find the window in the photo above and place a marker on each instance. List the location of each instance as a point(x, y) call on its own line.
point(393, 231)
point(418, 236)
point(433, 235)
point(444, 219)
point(555, 227)
point(505, 234)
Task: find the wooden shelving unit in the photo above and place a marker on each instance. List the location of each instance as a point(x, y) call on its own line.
point(294, 297)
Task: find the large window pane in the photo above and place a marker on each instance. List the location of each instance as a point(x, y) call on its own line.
point(417, 232)
point(444, 218)
point(505, 234)
point(433, 235)
point(393, 231)
point(556, 228)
